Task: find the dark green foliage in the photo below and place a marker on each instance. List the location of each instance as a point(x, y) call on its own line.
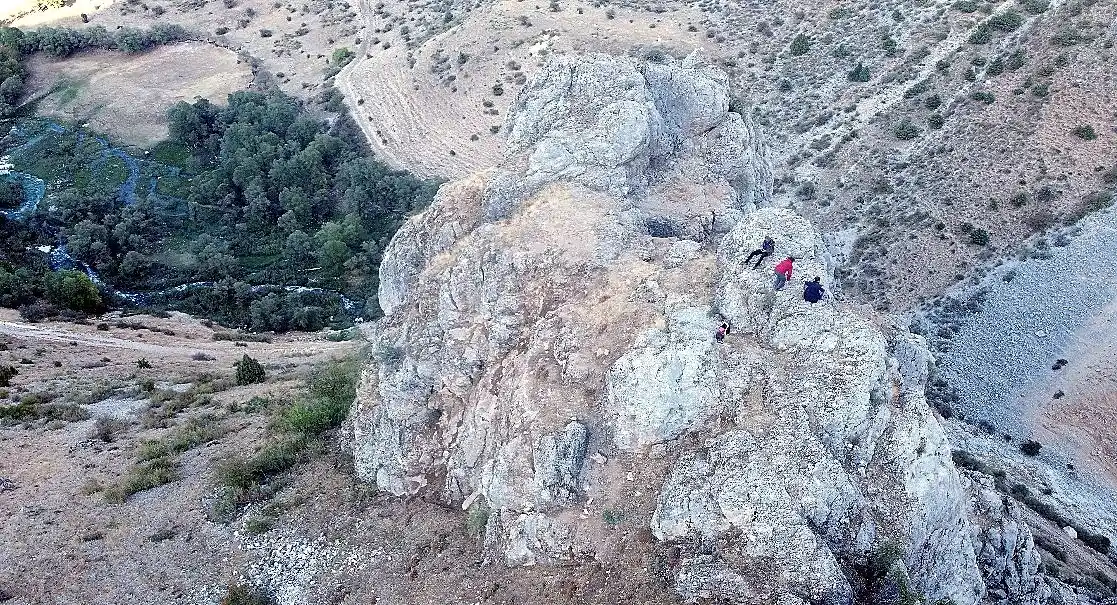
point(966, 6)
point(240, 594)
point(7, 373)
point(932, 102)
point(1030, 447)
point(889, 45)
point(11, 194)
point(249, 371)
point(979, 237)
point(72, 290)
point(1035, 7)
point(1085, 132)
point(935, 121)
point(996, 67)
point(1008, 21)
point(859, 73)
point(1015, 60)
point(905, 130)
point(983, 96)
point(1068, 36)
point(801, 45)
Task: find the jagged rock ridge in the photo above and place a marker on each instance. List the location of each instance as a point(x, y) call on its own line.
point(564, 305)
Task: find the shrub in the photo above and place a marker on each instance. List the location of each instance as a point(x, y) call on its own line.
point(1085, 132)
point(935, 120)
point(1095, 541)
point(245, 473)
point(105, 429)
point(905, 130)
point(7, 373)
point(249, 371)
point(859, 73)
point(240, 594)
point(801, 45)
point(143, 477)
point(1067, 36)
point(342, 56)
point(1015, 60)
point(266, 33)
point(984, 96)
point(330, 394)
point(1035, 7)
point(1030, 447)
point(476, 519)
point(979, 237)
point(143, 364)
point(932, 102)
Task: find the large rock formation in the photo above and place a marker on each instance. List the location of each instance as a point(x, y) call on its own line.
point(548, 348)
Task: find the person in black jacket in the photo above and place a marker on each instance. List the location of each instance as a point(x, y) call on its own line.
point(813, 291)
point(765, 250)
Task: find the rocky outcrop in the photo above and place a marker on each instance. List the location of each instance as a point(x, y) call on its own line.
point(547, 354)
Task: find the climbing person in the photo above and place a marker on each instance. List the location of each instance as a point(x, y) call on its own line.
point(783, 272)
point(765, 250)
point(813, 291)
point(722, 331)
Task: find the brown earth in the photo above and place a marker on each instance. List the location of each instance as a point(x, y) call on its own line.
point(129, 96)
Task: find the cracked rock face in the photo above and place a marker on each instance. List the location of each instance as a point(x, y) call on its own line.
point(549, 336)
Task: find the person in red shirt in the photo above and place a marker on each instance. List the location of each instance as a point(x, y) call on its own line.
point(783, 272)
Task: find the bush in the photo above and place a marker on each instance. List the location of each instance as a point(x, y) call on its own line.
point(143, 477)
point(983, 96)
point(932, 102)
point(1030, 447)
point(859, 73)
point(1085, 132)
point(249, 371)
point(905, 130)
point(1035, 7)
point(7, 373)
point(979, 237)
point(330, 394)
point(275, 457)
point(801, 45)
point(935, 121)
point(74, 290)
point(106, 429)
point(240, 594)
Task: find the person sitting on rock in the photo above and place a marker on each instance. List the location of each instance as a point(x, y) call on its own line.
point(764, 251)
point(722, 331)
point(783, 272)
point(813, 291)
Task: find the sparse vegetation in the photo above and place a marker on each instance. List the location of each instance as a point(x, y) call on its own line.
point(1085, 132)
point(1030, 447)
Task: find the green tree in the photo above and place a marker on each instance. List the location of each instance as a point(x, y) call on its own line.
point(249, 371)
point(73, 290)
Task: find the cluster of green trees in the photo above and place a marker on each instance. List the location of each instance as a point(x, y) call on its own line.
point(275, 220)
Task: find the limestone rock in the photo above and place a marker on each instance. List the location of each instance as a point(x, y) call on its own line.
point(566, 303)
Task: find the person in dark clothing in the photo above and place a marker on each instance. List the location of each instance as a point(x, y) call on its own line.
point(813, 291)
point(764, 251)
point(722, 331)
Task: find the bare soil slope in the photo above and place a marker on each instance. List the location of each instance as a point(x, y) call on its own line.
point(128, 95)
